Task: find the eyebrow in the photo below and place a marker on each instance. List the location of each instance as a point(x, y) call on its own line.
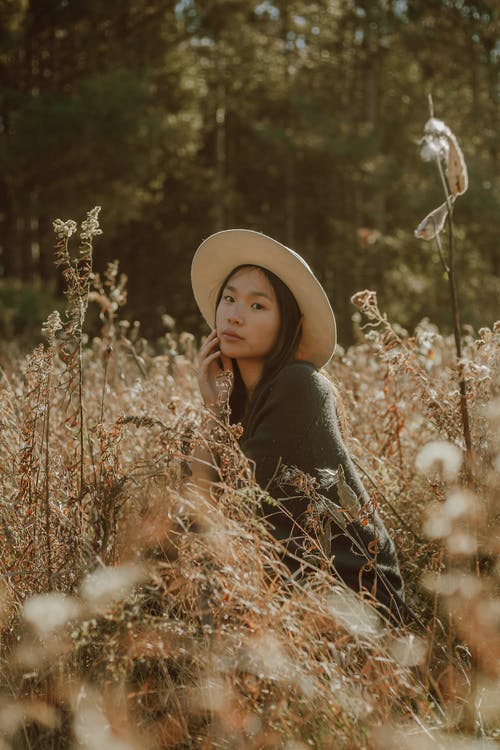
point(251, 294)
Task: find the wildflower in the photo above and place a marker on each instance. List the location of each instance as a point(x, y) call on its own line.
point(64, 229)
point(459, 503)
point(436, 127)
point(48, 612)
point(168, 322)
point(461, 544)
point(51, 326)
point(92, 727)
point(439, 457)
point(12, 718)
point(90, 225)
point(437, 525)
point(352, 613)
point(435, 140)
point(267, 658)
point(409, 651)
point(106, 585)
point(452, 584)
point(439, 142)
point(211, 695)
point(366, 301)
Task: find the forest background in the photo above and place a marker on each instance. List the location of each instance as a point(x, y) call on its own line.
point(299, 119)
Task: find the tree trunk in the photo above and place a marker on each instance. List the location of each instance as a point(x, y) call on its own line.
point(289, 166)
point(220, 139)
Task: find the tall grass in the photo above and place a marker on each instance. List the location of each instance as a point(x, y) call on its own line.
point(138, 614)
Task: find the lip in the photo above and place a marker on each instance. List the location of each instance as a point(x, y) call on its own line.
point(231, 335)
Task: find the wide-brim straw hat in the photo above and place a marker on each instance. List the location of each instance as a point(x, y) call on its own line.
point(223, 251)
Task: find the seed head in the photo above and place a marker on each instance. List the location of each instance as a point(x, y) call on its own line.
point(441, 458)
point(433, 223)
point(90, 225)
point(106, 585)
point(51, 326)
point(456, 168)
point(435, 140)
point(64, 229)
point(48, 612)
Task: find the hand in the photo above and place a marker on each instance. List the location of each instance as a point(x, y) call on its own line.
point(209, 367)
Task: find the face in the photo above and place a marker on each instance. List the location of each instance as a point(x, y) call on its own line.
point(248, 317)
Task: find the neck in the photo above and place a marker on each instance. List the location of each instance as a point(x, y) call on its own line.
point(251, 372)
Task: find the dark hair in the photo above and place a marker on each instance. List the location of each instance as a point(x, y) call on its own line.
point(283, 352)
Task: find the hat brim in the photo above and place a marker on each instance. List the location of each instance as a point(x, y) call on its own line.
point(223, 251)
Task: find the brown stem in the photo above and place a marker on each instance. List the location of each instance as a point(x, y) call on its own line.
point(457, 331)
point(80, 406)
point(109, 350)
point(464, 409)
point(47, 490)
point(441, 254)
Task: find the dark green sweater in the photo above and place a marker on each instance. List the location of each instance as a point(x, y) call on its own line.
point(294, 424)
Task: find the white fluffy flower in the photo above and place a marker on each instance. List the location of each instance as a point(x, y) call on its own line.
point(409, 651)
point(441, 458)
point(48, 612)
point(106, 585)
point(92, 727)
point(352, 613)
point(436, 127)
point(459, 503)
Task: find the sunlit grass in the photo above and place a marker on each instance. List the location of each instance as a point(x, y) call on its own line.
point(137, 613)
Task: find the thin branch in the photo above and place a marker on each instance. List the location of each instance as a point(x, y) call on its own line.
point(387, 502)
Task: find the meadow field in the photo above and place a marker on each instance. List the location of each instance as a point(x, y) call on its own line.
point(137, 614)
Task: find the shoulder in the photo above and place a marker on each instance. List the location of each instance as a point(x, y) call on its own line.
point(301, 377)
point(296, 372)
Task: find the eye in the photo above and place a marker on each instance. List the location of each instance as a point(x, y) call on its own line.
point(228, 298)
point(258, 306)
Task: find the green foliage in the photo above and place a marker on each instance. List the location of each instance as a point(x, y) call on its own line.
point(298, 119)
point(23, 308)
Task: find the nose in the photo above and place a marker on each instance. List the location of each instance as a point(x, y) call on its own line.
point(234, 317)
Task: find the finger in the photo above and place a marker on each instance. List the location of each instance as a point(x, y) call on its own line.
point(207, 342)
point(208, 345)
point(207, 361)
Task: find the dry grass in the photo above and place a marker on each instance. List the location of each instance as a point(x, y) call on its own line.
point(136, 614)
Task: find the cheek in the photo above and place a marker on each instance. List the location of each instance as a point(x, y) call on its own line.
point(218, 315)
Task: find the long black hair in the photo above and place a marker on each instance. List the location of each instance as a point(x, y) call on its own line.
point(284, 350)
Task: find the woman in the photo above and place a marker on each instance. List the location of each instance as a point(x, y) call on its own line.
point(274, 328)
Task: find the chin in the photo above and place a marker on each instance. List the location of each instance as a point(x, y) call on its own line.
point(227, 351)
